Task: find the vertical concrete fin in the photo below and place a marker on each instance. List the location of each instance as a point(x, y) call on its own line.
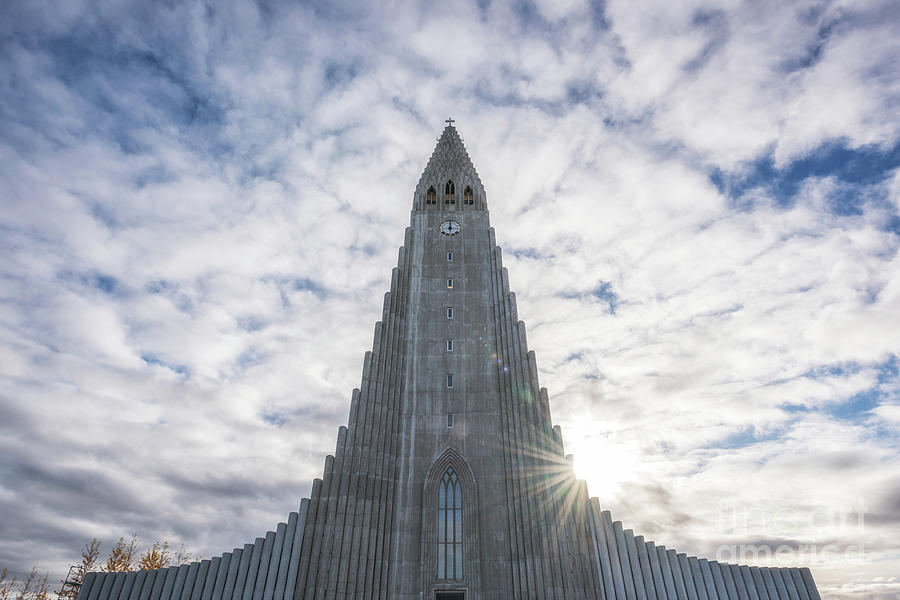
point(262, 572)
point(798, 583)
point(748, 582)
point(138, 586)
point(210, 582)
point(243, 570)
point(659, 584)
point(618, 571)
point(687, 576)
point(125, 593)
point(308, 534)
point(721, 588)
point(200, 582)
point(730, 585)
point(116, 588)
point(708, 581)
point(602, 550)
point(810, 584)
point(85, 590)
point(234, 565)
point(697, 576)
point(274, 560)
point(284, 560)
point(677, 575)
point(760, 585)
point(739, 584)
point(646, 568)
point(180, 578)
point(622, 547)
point(296, 551)
point(147, 588)
point(106, 587)
point(668, 578)
point(634, 565)
point(221, 575)
point(771, 588)
point(318, 531)
point(168, 585)
point(252, 569)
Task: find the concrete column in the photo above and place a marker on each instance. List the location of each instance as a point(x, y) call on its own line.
point(199, 583)
point(799, 584)
point(728, 578)
point(147, 588)
point(721, 588)
point(290, 584)
point(677, 576)
point(127, 585)
point(748, 582)
point(739, 584)
point(759, 584)
point(138, 585)
point(602, 550)
point(659, 583)
point(668, 578)
point(274, 562)
point(708, 580)
point(262, 572)
point(618, 573)
point(116, 589)
point(810, 584)
point(634, 563)
point(234, 564)
point(697, 576)
point(221, 575)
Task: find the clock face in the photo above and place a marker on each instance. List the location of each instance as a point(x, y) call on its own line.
point(450, 228)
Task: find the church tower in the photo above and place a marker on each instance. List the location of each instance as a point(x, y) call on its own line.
point(449, 481)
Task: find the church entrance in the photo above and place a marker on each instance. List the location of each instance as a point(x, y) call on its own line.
point(449, 596)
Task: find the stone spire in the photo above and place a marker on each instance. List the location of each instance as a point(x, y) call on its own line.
point(450, 162)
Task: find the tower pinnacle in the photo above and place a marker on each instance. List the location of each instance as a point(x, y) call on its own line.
point(449, 181)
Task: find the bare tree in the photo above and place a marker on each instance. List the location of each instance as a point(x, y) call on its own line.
point(122, 556)
point(34, 587)
point(157, 556)
point(183, 557)
point(89, 555)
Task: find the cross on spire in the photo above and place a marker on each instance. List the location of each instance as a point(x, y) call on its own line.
point(449, 122)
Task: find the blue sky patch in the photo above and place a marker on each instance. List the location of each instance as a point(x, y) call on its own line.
point(154, 360)
point(853, 168)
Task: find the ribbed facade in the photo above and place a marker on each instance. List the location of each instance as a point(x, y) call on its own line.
point(450, 389)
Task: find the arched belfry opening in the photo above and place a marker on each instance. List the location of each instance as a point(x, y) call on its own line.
point(449, 192)
point(431, 196)
point(468, 197)
point(450, 552)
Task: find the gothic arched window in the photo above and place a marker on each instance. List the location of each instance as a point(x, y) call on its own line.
point(449, 527)
point(449, 193)
point(467, 196)
point(431, 196)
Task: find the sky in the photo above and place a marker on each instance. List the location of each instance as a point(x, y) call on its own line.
point(698, 203)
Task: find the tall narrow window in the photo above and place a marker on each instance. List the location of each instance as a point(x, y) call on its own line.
point(449, 345)
point(468, 197)
point(449, 419)
point(449, 257)
point(431, 196)
point(450, 527)
point(449, 283)
point(449, 193)
point(449, 312)
point(449, 380)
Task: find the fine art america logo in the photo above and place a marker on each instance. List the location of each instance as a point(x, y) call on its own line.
point(838, 535)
